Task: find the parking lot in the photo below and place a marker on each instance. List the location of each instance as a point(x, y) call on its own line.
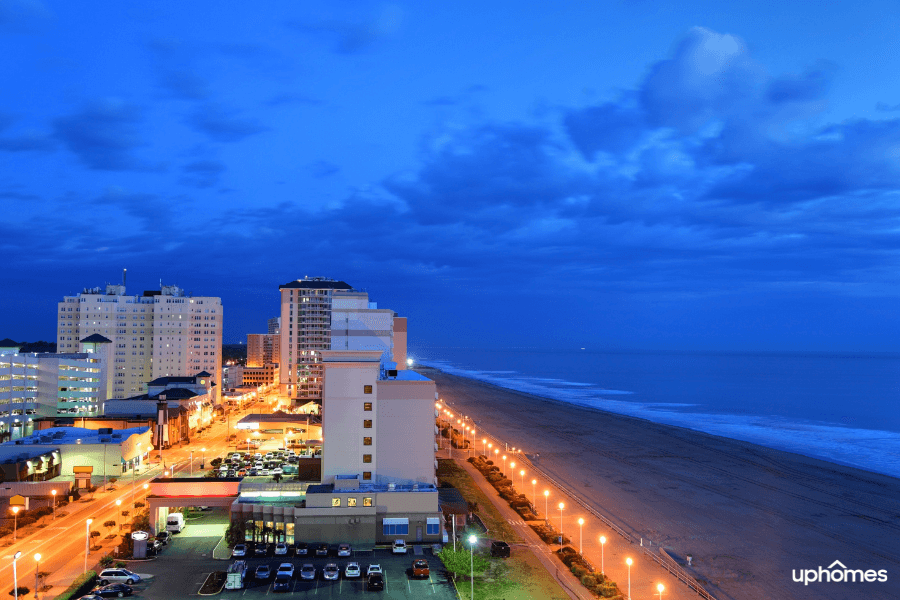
point(180, 570)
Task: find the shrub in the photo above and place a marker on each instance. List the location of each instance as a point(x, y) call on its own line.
point(107, 560)
point(578, 571)
point(21, 591)
point(589, 581)
point(139, 504)
point(82, 585)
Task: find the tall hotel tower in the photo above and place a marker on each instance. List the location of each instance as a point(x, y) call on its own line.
point(323, 314)
point(159, 334)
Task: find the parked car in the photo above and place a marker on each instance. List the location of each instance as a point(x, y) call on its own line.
point(331, 571)
point(114, 590)
point(239, 551)
point(322, 550)
point(373, 569)
point(352, 570)
point(307, 571)
point(499, 549)
point(281, 549)
point(399, 547)
point(420, 568)
point(344, 550)
point(375, 582)
point(165, 537)
point(282, 583)
point(91, 597)
point(108, 576)
point(285, 569)
point(301, 548)
point(263, 572)
point(261, 549)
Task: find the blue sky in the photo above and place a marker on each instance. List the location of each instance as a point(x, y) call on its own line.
point(627, 174)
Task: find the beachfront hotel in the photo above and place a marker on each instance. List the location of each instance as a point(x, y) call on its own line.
point(319, 314)
point(164, 333)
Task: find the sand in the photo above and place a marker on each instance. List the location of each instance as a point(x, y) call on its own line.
point(749, 515)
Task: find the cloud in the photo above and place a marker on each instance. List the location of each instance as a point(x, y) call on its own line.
point(353, 36)
point(223, 125)
point(28, 142)
point(322, 168)
point(102, 135)
point(292, 98)
point(184, 84)
point(202, 173)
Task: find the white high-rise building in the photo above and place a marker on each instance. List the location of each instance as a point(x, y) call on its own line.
point(162, 333)
point(323, 314)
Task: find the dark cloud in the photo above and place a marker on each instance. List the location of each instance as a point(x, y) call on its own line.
point(102, 135)
point(292, 98)
point(184, 85)
point(884, 107)
point(202, 173)
point(353, 36)
point(222, 125)
point(27, 142)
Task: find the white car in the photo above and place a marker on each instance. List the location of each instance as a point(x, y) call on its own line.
point(277, 471)
point(281, 549)
point(240, 550)
point(285, 569)
point(352, 570)
point(344, 550)
point(374, 569)
point(399, 547)
point(307, 571)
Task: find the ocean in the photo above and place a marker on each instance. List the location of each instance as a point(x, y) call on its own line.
point(841, 408)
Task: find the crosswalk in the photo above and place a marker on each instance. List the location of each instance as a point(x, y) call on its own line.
point(517, 522)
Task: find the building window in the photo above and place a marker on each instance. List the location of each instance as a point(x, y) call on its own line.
point(367, 441)
point(367, 458)
point(367, 475)
point(367, 424)
point(351, 501)
point(367, 406)
point(335, 501)
point(395, 527)
point(432, 526)
point(367, 389)
point(367, 502)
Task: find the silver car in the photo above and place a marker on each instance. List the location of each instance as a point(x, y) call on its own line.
point(331, 571)
point(307, 571)
point(108, 576)
point(344, 550)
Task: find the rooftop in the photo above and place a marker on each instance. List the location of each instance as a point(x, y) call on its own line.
point(72, 435)
point(316, 283)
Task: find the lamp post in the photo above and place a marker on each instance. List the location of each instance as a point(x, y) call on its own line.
point(546, 509)
point(248, 445)
point(580, 538)
point(522, 479)
point(561, 507)
point(512, 469)
point(118, 506)
point(203, 458)
point(472, 540)
point(53, 493)
point(602, 543)
point(472, 438)
point(16, 575)
point(87, 541)
point(192, 463)
point(533, 492)
point(504, 465)
point(660, 588)
point(37, 570)
point(628, 562)
point(15, 510)
point(488, 453)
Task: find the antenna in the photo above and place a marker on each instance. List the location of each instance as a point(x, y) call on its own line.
point(124, 275)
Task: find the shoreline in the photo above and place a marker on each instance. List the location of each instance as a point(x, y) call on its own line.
point(748, 513)
point(780, 447)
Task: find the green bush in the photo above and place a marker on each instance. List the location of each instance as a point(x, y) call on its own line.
point(81, 586)
point(589, 581)
point(579, 571)
point(21, 591)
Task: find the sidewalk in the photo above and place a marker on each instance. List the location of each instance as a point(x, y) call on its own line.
point(645, 573)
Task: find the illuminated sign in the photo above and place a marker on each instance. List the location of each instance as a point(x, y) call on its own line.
point(140, 535)
point(248, 425)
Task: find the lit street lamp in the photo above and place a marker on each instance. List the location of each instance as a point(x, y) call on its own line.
point(580, 530)
point(15, 510)
point(472, 540)
point(504, 465)
point(87, 541)
point(533, 492)
point(628, 562)
point(522, 479)
point(660, 589)
point(37, 570)
point(561, 507)
point(15, 574)
point(546, 509)
point(53, 492)
point(602, 543)
point(203, 458)
point(118, 505)
point(192, 462)
point(483, 445)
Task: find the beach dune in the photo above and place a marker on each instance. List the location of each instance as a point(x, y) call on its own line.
point(751, 517)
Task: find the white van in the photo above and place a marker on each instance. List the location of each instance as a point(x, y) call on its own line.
point(175, 522)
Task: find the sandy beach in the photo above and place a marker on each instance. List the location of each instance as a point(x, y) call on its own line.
point(748, 515)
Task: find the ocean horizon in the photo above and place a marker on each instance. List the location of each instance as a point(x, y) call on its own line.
point(838, 407)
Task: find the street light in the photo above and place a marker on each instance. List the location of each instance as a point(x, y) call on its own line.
point(580, 529)
point(628, 562)
point(561, 507)
point(192, 462)
point(483, 445)
point(118, 504)
point(248, 445)
point(660, 589)
point(522, 479)
point(472, 540)
point(15, 574)
point(203, 458)
point(533, 492)
point(53, 492)
point(15, 510)
point(602, 543)
point(504, 465)
point(37, 570)
point(87, 541)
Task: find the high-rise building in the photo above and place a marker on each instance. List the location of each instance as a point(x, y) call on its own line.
point(274, 325)
point(163, 333)
point(323, 314)
point(263, 349)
